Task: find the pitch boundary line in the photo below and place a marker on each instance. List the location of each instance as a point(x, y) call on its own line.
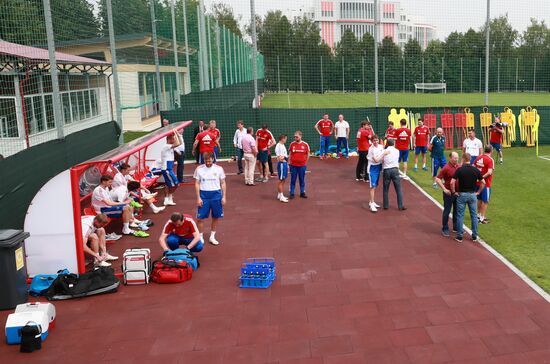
point(491, 250)
point(545, 157)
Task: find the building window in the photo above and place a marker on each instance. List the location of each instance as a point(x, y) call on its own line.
point(8, 118)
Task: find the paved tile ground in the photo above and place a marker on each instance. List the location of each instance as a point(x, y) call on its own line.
point(352, 287)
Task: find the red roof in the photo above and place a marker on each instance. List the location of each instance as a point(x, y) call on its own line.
point(39, 54)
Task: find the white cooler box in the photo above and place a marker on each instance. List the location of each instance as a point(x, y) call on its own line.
point(47, 308)
point(136, 266)
point(16, 321)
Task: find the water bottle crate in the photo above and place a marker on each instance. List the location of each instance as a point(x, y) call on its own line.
point(257, 273)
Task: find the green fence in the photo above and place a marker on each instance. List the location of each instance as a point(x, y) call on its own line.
point(24, 173)
point(289, 120)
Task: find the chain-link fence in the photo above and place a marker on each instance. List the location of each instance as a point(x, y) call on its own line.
point(68, 65)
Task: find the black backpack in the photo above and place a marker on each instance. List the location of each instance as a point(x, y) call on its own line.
point(66, 286)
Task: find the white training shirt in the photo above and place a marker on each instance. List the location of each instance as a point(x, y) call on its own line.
point(88, 227)
point(472, 146)
point(119, 194)
point(280, 150)
point(180, 148)
point(341, 129)
point(374, 152)
point(391, 160)
point(99, 195)
point(238, 137)
point(209, 178)
point(119, 180)
point(166, 155)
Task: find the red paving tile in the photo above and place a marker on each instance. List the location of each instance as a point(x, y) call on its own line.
point(341, 296)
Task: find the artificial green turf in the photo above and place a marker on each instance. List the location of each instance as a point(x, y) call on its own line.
point(131, 135)
point(519, 210)
point(358, 99)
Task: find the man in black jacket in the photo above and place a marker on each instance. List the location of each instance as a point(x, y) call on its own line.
point(466, 181)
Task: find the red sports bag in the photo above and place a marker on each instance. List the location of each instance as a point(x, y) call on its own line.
point(170, 271)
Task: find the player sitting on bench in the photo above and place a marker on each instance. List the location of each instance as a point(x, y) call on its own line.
point(103, 203)
point(93, 237)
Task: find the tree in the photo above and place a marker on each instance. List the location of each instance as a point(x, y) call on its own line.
point(349, 57)
point(502, 38)
point(305, 45)
point(23, 21)
point(129, 17)
point(412, 56)
point(224, 14)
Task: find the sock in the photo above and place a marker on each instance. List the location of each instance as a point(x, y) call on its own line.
point(279, 195)
point(415, 165)
point(212, 235)
point(125, 226)
point(202, 237)
point(424, 165)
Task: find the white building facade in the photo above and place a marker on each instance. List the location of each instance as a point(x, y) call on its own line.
point(334, 17)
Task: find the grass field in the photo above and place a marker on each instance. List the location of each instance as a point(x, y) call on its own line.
point(131, 135)
point(518, 210)
point(357, 99)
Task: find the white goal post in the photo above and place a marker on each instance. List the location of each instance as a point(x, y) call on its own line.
point(430, 86)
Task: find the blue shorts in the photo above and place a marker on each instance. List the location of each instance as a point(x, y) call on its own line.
point(473, 159)
point(169, 176)
point(374, 175)
point(436, 164)
point(496, 146)
point(282, 170)
point(262, 156)
point(216, 152)
point(418, 150)
point(174, 241)
point(113, 211)
point(404, 155)
point(211, 202)
point(485, 195)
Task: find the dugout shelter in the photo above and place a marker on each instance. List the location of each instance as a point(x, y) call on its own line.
point(54, 215)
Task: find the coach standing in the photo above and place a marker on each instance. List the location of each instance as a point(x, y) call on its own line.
point(390, 165)
point(466, 177)
point(364, 136)
point(443, 179)
point(298, 157)
point(237, 138)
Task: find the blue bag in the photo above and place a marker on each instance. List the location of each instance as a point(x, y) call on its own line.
point(183, 255)
point(41, 282)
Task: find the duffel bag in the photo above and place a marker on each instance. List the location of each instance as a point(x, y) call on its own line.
point(183, 255)
point(41, 282)
point(171, 271)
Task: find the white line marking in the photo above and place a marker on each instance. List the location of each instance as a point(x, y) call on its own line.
point(546, 157)
point(499, 256)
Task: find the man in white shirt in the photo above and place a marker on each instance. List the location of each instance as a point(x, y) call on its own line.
point(282, 166)
point(167, 166)
point(390, 165)
point(341, 132)
point(103, 203)
point(179, 154)
point(237, 142)
point(93, 239)
point(374, 169)
point(211, 194)
point(472, 145)
point(248, 143)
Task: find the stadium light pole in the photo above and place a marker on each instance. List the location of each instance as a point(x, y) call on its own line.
point(114, 68)
point(56, 102)
point(156, 54)
point(254, 51)
point(175, 50)
point(219, 46)
point(487, 33)
point(186, 44)
point(376, 53)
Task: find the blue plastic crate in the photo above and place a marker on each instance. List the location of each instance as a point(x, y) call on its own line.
point(257, 273)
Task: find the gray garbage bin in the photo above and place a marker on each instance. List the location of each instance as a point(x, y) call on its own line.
point(13, 271)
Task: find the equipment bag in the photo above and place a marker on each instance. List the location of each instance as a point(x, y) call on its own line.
point(171, 271)
point(136, 266)
point(41, 282)
point(66, 286)
point(183, 255)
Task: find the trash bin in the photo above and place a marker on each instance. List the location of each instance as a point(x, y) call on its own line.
point(13, 272)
